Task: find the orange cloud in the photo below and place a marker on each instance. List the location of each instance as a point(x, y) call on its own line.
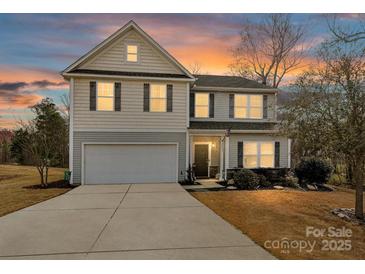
point(212, 59)
point(18, 101)
point(8, 123)
point(9, 73)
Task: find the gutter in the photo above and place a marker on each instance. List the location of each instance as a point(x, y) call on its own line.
point(67, 75)
point(228, 89)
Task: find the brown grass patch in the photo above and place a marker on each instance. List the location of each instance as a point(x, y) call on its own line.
point(18, 187)
point(274, 215)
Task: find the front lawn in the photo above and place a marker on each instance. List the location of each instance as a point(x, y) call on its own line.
point(276, 216)
point(18, 187)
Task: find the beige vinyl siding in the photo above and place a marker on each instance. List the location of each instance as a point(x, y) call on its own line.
point(114, 57)
point(221, 108)
point(132, 137)
point(131, 115)
point(234, 138)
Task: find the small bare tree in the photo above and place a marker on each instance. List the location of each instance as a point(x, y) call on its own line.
point(43, 138)
point(39, 148)
point(195, 68)
point(269, 50)
point(65, 100)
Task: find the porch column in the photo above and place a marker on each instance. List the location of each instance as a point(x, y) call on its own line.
point(221, 157)
point(226, 157)
point(191, 150)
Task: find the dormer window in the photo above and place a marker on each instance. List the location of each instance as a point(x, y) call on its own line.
point(132, 53)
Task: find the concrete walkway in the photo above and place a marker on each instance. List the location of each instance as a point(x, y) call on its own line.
point(140, 221)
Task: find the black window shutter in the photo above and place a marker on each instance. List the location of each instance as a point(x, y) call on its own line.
point(264, 107)
point(192, 104)
point(169, 98)
point(240, 154)
point(211, 105)
point(117, 96)
point(146, 97)
point(277, 154)
point(93, 96)
point(231, 106)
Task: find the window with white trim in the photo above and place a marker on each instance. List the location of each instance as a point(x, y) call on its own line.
point(132, 53)
point(240, 106)
point(201, 105)
point(250, 154)
point(105, 96)
point(267, 151)
point(248, 106)
point(158, 98)
point(258, 154)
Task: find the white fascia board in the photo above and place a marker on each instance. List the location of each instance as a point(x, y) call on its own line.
point(228, 89)
point(66, 75)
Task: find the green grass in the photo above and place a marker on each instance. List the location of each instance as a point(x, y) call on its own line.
point(19, 187)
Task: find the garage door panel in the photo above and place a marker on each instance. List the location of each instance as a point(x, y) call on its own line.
point(115, 163)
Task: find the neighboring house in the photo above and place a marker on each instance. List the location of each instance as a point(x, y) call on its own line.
point(138, 116)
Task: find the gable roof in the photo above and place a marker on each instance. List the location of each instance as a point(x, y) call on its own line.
point(221, 81)
point(129, 26)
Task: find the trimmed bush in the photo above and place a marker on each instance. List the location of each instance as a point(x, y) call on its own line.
point(313, 171)
point(273, 175)
point(290, 181)
point(337, 180)
point(246, 179)
point(263, 182)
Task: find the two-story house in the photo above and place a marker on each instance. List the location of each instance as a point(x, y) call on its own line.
point(138, 116)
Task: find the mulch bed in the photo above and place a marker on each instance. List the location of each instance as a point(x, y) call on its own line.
point(56, 184)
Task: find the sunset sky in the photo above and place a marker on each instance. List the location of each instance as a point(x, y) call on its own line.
point(34, 48)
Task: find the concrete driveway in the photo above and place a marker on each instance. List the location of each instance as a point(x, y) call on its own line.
point(140, 221)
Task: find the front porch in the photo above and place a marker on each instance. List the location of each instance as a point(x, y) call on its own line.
point(207, 155)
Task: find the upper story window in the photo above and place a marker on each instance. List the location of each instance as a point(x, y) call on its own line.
point(258, 154)
point(202, 105)
point(132, 53)
point(248, 106)
point(105, 96)
point(158, 98)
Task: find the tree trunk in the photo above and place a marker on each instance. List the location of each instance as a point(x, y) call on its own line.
point(46, 177)
point(349, 173)
point(358, 178)
point(41, 175)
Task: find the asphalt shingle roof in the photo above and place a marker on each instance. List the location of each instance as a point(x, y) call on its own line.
point(226, 81)
point(232, 125)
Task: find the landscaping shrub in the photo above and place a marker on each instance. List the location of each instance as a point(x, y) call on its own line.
point(273, 175)
point(290, 181)
point(263, 182)
point(246, 179)
point(337, 180)
point(313, 171)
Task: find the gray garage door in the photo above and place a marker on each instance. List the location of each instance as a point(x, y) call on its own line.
point(130, 163)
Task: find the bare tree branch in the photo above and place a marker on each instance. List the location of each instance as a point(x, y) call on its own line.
point(195, 68)
point(343, 33)
point(269, 50)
